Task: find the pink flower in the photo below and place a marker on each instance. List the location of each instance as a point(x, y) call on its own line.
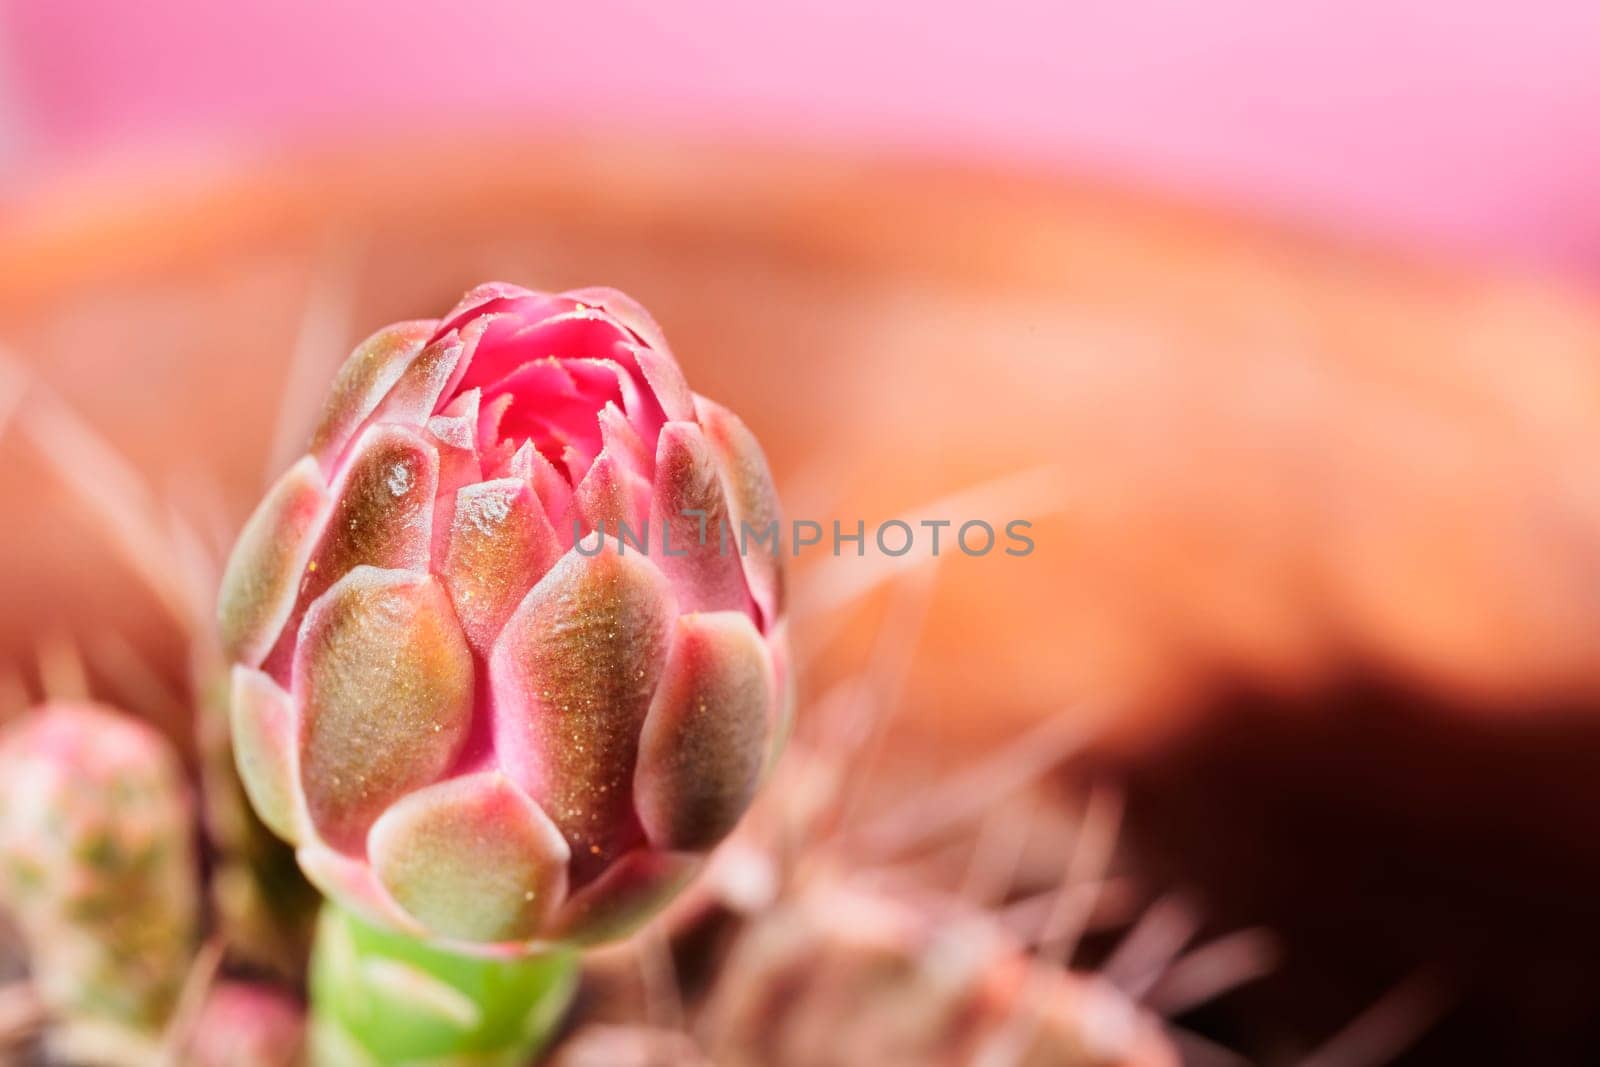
point(490, 678)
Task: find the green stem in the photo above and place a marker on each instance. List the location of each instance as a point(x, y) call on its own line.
point(381, 998)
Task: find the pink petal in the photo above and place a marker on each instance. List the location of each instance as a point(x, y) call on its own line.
point(472, 859)
point(606, 381)
point(619, 438)
point(500, 298)
point(420, 389)
point(752, 501)
point(454, 437)
point(500, 544)
point(367, 375)
point(384, 681)
point(632, 891)
point(382, 516)
point(263, 724)
point(352, 884)
point(494, 449)
point(703, 562)
point(264, 571)
point(534, 329)
point(625, 309)
point(666, 381)
point(573, 673)
point(651, 355)
point(552, 489)
point(464, 405)
point(572, 334)
point(618, 380)
point(704, 743)
point(609, 494)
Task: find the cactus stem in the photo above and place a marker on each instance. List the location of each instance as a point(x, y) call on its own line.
point(380, 997)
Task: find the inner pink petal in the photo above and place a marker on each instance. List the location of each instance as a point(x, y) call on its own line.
point(564, 433)
point(516, 338)
point(546, 367)
point(514, 305)
point(634, 396)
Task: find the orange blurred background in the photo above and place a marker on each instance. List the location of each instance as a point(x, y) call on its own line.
point(1313, 481)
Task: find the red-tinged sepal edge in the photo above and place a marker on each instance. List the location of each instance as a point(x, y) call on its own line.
point(698, 545)
point(618, 438)
point(494, 298)
point(264, 749)
point(472, 859)
point(381, 516)
point(650, 352)
point(500, 544)
point(611, 500)
point(454, 433)
point(416, 394)
point(573, 674)
point(630, 313)
point(752, 502)
point(383, 678)
point(362, 382)
point(630, 892)
point(552, 489)
point(704, 743)
point(263, 574)
point(352, 883)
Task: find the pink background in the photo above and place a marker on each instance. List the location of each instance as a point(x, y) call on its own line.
point(1467, 124)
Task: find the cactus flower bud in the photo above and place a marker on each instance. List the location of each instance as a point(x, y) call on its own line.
point(97, 863)
point(501, 672)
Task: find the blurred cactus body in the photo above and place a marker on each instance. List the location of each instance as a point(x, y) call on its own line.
point(246, 1025)
point(614, 1045)
point(500, 673)
point(97, 864)
point(844, 976)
